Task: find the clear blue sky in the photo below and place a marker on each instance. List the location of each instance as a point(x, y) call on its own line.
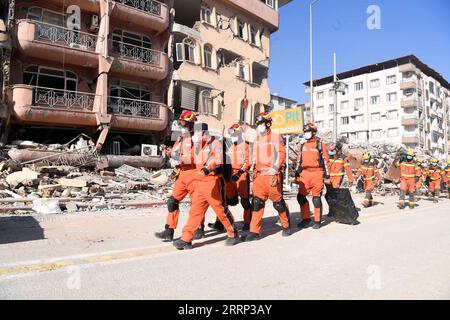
point(419, 27)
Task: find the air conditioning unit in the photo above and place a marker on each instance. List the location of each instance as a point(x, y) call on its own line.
point(77, 46)
point(94, 23)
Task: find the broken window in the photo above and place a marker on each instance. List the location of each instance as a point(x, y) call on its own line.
point(186, 51)
point(226, 57)
point(240, 30)
point(206, 105)
point(208, 55)
point(187, 12)
point(50, 78)
point(253, 35)
point(260, 73)
point(206, 14)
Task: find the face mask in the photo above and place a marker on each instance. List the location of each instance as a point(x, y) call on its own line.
point(195, 139)
point(234, 139)
point(308, 135)
point(332, 153)
point(433, 164)
point(184, 130)
point(366, 161)
point(409, 158)
point(261, 128)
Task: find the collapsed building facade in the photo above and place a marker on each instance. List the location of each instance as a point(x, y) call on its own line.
point(120, 71)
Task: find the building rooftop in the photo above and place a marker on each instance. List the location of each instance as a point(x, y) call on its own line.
point(272, 95)
point(385, 65)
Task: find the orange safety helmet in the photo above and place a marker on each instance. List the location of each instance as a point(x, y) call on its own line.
point(188, 116)
point(235, 128)
point(264, 117)
point(310, 127)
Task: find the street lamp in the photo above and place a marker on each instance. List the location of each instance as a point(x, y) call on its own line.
point(311, 87)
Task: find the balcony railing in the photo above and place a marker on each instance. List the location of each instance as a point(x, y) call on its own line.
point(149, 6)
point(136, 53)
point(59, 35)
point(132, 107)
point(56, 98)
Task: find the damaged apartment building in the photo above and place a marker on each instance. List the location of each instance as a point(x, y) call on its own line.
point(120, 71)
point(221, 52)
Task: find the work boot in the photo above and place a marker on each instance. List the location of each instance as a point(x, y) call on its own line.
point(330, 214)
point(232, 241)
point(167, 234)
point(316, 225)
point(286, 232)
point(218, 226)
point(199, 234)
point(252, 236)
point(412, 205)
point(305, 223)
point(182, 245)
point(401, 206)
point(246, 227)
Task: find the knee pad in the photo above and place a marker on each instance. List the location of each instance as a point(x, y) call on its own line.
point(245, 203)
point(280, 206)
point(301, 199)
point(233, 200)
point(172, 204)
point(258, 204)
point(317, 202)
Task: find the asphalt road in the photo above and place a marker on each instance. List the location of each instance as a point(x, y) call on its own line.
point(392, 254)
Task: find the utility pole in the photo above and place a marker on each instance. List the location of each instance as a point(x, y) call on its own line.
point(311, 86)
point(335, 113)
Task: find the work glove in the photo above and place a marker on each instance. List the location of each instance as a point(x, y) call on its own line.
point(237, 175)
point(350, 184)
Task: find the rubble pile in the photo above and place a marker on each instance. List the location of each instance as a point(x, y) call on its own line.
point(56, 189)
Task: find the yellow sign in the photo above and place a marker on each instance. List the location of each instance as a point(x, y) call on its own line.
point(288, 121)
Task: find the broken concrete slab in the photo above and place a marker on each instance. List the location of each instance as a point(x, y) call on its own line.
point(77, 183)
point(71, 206)
point(18, 177)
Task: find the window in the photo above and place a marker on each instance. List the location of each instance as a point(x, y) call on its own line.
point(207, 56)
point(376, 134)
point(359, 118)
point(132, 45)
point(50, 78)
point(375, 100)
point(241, 28)
point(359, 86)
point(186, 50)
point(375, 83)
point(330, 123)
point(206, 14)
point(270, 3)
point(320, 109)
point(242, 112)
point(391, 79)
point(258, 108)
point(129, 90)
point(43, 15)
point(344, 105)
point(319, 95)
point(320, 124)
point(391, 97)
point(241, 67)
point(361, 135)
point(206, 105)
point(375, 117)
point(431, 87)
point(331, 107)
point(253, 35)
point(359, 103)
point(392, 114)
point(330, 93)
point(393, 132)
point(345, 120)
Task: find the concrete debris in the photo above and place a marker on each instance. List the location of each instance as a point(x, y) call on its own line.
point(46, 206)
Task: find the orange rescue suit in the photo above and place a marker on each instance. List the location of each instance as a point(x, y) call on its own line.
point(369, 172)
point(338, 168)
point(408, 173)
point(435, 174)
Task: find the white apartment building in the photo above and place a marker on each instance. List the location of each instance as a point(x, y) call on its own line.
point(278, 103)
point(400, 100)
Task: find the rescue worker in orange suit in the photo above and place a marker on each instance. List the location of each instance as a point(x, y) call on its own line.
point(209, 188)
point(434, 175)
point(312, 169)
point(338, 167)
point(182, 158)
point(422, 166)
point(238, 154)
point(447, 178)
point(269, 158)
point(369, 171)
point(409, 176)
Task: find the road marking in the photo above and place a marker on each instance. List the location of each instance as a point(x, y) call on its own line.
point(60, 263)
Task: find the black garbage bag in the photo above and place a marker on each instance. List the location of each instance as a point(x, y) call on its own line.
point(342, 206)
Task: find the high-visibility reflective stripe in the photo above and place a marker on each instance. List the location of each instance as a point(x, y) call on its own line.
point(408, 164)
point(336, 174)
point(370, 178)
point(408, 175)
point(336, 161)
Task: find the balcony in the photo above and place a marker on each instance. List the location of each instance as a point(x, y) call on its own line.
point(49, 106)
point(85, 6)
point(148, 14)
point(54, 43)
point(409, 103)
point(410, 138)
point(410, 120)
point(408, 83)
point(137, 115)
point(409, 67)
point(136, 61)
point(259, 10)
